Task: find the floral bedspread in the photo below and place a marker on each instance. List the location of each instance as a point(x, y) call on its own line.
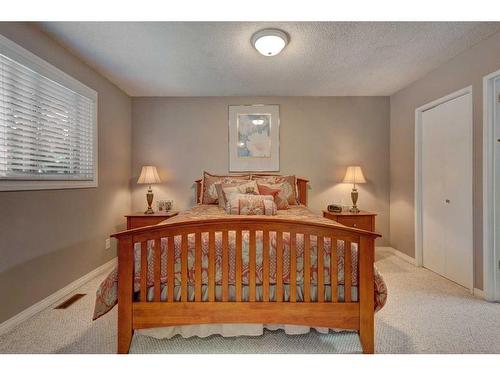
point(106, 296)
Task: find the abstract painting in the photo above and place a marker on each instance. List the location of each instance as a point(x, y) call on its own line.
point(254, 135)
point(254, 138)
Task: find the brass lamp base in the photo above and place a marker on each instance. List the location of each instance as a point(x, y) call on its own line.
point(149, 198)
point(354, 197)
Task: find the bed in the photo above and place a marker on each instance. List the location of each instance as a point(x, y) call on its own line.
point(205, 267)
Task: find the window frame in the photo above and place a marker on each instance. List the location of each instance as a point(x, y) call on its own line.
point(40, 66)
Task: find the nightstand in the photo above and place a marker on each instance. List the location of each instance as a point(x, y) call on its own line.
point(138, 219)
point(361, 220)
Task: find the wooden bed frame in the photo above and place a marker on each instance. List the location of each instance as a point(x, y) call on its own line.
point(345, 314)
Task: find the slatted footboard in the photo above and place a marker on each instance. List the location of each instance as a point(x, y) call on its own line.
point(238, 302)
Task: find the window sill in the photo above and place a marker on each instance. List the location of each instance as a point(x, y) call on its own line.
point(16, 185)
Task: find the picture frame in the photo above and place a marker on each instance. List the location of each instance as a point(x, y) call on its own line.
point(254, 138)
point(164, 205)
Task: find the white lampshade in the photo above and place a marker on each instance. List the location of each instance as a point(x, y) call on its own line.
point(149, 175)
point(354, 175)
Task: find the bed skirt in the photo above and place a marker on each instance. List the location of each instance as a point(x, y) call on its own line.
point(225, 330)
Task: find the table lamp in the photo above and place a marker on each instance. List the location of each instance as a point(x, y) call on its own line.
point(149, 175)
point(354, 175)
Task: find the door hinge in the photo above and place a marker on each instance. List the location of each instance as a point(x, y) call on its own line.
point(499, 264)
point(498, 98)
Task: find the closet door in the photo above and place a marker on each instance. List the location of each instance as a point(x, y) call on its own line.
point(447, 189)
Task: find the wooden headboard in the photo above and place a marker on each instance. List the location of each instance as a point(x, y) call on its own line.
point(301, 190)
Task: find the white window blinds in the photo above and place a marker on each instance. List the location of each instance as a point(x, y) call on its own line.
point(47, 130)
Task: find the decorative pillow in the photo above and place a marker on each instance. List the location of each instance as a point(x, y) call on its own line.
point(287, 184)
point(249, 204)
point(243, 187)
point(274, 191)
point(209, 195)
point(220, 195)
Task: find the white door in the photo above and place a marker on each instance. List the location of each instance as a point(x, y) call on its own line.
point(447, 189)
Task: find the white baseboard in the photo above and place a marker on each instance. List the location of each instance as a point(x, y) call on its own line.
point(54, 297)
point(398, 253)
point(478, 293)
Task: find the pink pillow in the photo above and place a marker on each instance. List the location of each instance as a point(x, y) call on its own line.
point(274, 191)
point(287, 184)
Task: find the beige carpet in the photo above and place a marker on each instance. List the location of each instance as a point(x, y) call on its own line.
point(425, 313)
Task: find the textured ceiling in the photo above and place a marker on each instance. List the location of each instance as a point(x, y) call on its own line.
point(216, 58)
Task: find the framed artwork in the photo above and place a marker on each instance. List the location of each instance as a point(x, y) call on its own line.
point(164, 205)
point(254, 138)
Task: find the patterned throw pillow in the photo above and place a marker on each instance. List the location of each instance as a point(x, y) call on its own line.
point(247, 187)
point(287, 184)
point(243, 187)
point(220, 195)
point(274, 191)
point(209, 195)
point(249, 204)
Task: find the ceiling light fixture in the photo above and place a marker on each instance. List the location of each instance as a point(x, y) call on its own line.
point(269, 42)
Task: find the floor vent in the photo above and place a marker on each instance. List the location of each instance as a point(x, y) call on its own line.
point(70, 301)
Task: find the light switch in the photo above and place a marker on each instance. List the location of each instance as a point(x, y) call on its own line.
point(108, 243)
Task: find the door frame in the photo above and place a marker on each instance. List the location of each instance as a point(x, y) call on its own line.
point(418, 170)
point(491, 274)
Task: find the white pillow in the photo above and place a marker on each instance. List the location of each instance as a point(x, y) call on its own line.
point(249, 187)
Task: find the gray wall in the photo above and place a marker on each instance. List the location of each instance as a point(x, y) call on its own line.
point(319, 137)
point(51, 238)
point(464, 70)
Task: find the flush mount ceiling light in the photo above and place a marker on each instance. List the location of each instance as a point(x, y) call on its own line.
point(269, 42)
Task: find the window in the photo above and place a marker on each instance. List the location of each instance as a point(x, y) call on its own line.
point(48, 125)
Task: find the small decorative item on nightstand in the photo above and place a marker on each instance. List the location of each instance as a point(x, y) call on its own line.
point(334, 208)
point(354, 175)
point(169, 205)
point(164, 205)
point(160, 206)
point(149, 175)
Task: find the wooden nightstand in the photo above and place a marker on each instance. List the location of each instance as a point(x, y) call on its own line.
point(362, 220)
point(138, 219)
